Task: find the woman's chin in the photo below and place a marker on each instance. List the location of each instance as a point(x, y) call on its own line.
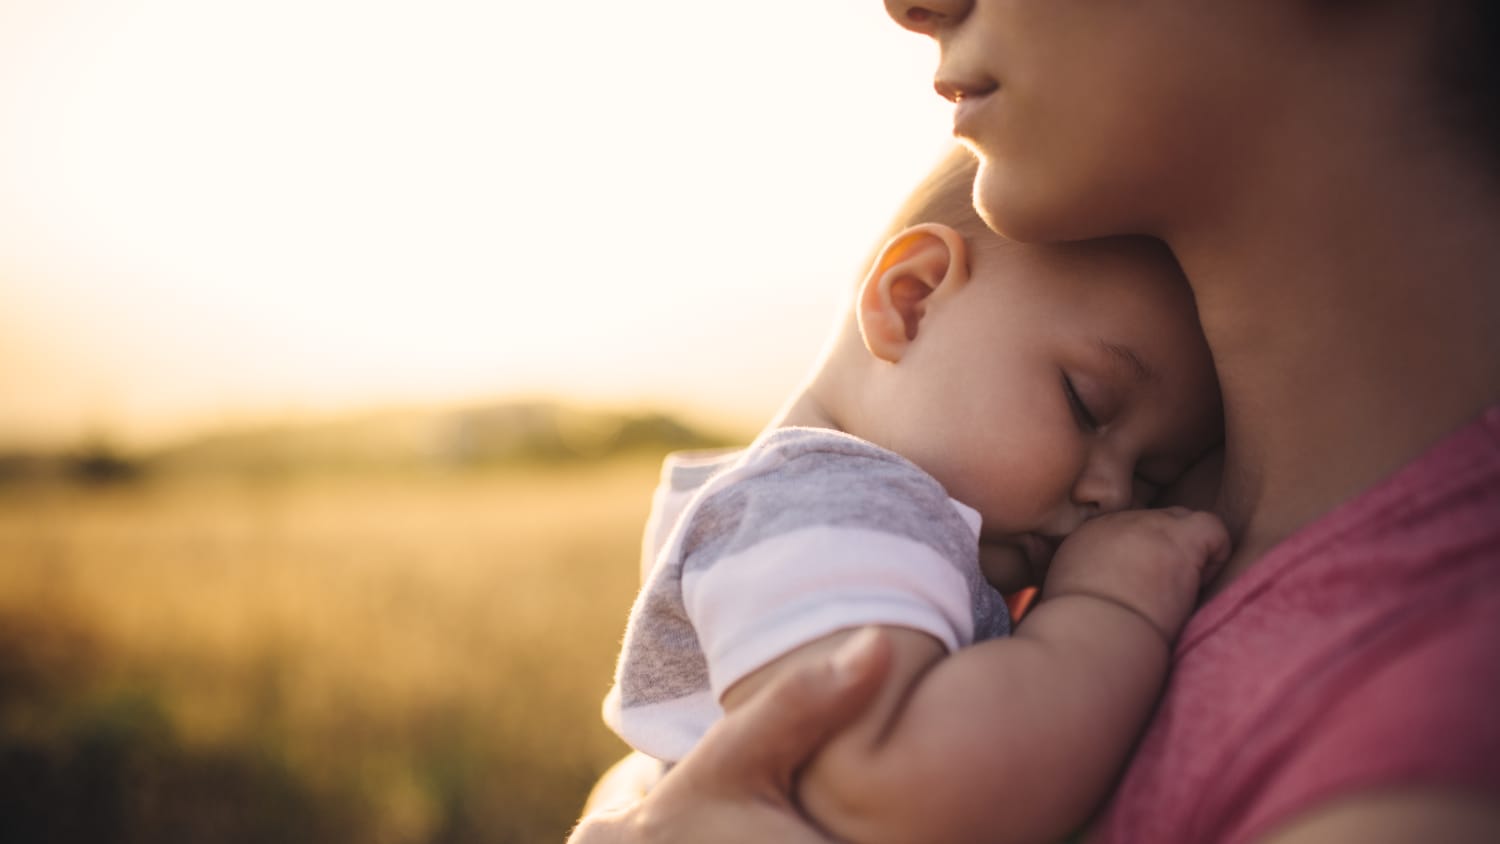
point(1025, 205)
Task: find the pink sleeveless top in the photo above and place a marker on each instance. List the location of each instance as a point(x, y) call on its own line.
point(1363, 653)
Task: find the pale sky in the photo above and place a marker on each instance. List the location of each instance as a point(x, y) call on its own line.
point(215, 210)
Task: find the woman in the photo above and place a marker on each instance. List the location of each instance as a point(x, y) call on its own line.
point(1327, 174)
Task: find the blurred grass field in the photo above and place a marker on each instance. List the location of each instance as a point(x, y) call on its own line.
point(327, 657)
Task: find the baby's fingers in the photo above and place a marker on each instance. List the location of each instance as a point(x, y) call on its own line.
point(1201, 534)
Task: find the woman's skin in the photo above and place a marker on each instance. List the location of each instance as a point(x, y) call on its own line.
point(1338, 230)
point(1342, 252)
point(736, 785)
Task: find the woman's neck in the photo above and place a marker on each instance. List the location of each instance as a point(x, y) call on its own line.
point(1354, 316)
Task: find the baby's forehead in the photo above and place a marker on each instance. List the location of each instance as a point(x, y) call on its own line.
point(1123, 280)
point(1125, 300)
point(1113, 257)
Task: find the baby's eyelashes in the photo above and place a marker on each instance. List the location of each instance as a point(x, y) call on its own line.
point(1082, 413)
point(1096, 399)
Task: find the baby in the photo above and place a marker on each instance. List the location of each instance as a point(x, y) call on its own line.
point(986, 400)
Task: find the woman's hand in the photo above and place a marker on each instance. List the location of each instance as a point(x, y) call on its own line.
point(737, 784)
point(626, 783)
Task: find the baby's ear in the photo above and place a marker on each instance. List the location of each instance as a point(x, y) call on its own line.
point(893, 298)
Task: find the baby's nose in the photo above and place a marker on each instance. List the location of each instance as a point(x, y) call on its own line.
point(1103, 489)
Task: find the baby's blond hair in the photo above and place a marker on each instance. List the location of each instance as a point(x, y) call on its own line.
point(945, 195)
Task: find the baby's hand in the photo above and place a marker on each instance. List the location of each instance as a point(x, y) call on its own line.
point(1150, 561)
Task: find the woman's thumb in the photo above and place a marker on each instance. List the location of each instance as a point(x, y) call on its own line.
point(779, 730)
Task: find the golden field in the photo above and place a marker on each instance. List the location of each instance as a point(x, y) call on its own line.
point(382, 656)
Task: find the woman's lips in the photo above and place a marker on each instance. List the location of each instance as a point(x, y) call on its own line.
point(966, 114)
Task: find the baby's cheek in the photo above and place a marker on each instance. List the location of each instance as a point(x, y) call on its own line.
point(1043, 477)
point(1023, 498)
point(1020, 483)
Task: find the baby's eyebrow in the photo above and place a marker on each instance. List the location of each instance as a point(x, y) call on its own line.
point(1125, 357)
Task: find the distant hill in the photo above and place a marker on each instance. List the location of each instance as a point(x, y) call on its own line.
point(470, 436)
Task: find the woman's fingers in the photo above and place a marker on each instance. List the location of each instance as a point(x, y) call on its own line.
point(758, 748)
point(624, 784)
point(735, 787)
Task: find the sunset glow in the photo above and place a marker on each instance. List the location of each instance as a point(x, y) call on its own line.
point(215, 211)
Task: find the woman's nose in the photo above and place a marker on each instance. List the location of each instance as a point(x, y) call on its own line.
point(927, 16)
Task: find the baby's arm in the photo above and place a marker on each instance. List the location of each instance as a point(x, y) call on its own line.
point(1019, 738)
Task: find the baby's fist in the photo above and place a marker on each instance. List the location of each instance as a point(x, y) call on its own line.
point(1151, 561)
